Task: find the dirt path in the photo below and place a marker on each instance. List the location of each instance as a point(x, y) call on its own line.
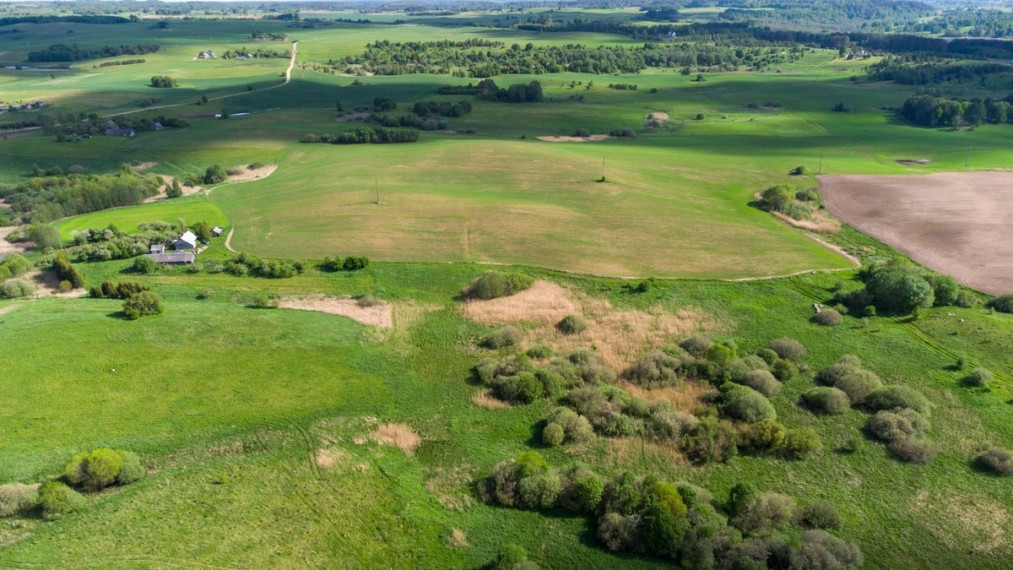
point(228, 241)
point(6, 246)
point(288, 78)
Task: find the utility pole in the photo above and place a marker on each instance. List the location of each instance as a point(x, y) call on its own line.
point(967, 157)
point(821, 164)
point(603, 168)
point(376, 186)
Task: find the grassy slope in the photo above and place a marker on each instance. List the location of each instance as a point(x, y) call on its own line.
point(192, 210)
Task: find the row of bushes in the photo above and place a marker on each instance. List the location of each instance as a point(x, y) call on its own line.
point(678, 522)
point(117, 290)
point(366, 135)
point(350, 263)
point(898, 287)
point(494, 284)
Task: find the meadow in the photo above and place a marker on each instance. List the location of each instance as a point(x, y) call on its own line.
point(255, 422)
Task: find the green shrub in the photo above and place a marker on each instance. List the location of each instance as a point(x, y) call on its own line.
point(828, 317)
point(784, 369)
point(655, 369)
point(913, 450)
point(995, 460)
point(509, 556)
point(57, 499)
point(747, 405)
point(539, 491)
point(494, 284)
point(530, 463)
point(141, 304)
point(853, 445)
point(965, 300)
point(896, 397)
point(894, 425)
point(827, 400)
point(696, 345)
point(761, 381)
point(980, 377)
point(768, 512)
point(355, 263)
point(576, 428)
point(764, 435)
point(821, 515)
point(822, 550)
point(720, 354)
point(94, 470)
point(17, 498)
point(504, 337)
point(618, 532)
point(540, 351)
point(144, 265)
point(768, 356)
point(588, 491)
point(857, 384)
point(571, 324)
point(801, 443)
point(553, 434)
point(215, 174)
point(15, 288)
point(131, 471)
point(788, 348)
point(1002, 303)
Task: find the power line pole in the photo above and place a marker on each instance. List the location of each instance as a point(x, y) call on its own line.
point(821, 164)
point(376, 186)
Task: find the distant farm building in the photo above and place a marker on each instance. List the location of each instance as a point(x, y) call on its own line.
point(157, 126)
point(156, 248)
point(120, 132)
point(217, 231)
point(206, 55)
point(185, 242)
point(173, 258)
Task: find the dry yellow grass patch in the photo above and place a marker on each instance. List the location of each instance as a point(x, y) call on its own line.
point(482, 398)
point(685, 396)
point(964, 520)
point(397, 435)
point(819, 222)
point(458, 538)
point(328, 457)
point(620, 336)
point(8, 247)
point(9, 308)
point(144, 166)
point(623, 452)
point(247, 174)
point(377, 315)
point(163, 189)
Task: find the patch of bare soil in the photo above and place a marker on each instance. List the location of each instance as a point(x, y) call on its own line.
point(375, 316)
point(955, 223)
point(592, 138)
point(685, 396)
point(7, 247)
point(621, 336)
point(187, 190)
point(909, 162)
point(4, 205)
point(7, 309)
point(397, 435)
point(657, 116)
point(482, 398)
point(964, 520)
point(458, 538)
point(249, 174)
point(48, 285)
point(144, 166)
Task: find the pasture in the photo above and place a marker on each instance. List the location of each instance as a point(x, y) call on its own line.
point(253, 422)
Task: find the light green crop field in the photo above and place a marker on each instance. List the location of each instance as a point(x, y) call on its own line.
point(254, 424)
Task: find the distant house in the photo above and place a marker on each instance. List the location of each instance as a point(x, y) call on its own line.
point(156, 126)
point(185, 241)
point(175, 258)
point(206, 55)
point(217, 231)
point(120, 132)
point(156, 248)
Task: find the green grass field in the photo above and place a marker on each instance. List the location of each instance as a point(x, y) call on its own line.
point(254, 422)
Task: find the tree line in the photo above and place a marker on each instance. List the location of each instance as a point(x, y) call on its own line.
point(912, 70)
point(366, 135)
point(63, 52)
point(930, 111)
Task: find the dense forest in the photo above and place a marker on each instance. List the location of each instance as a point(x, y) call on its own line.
point(929, 111)
point(63, 52)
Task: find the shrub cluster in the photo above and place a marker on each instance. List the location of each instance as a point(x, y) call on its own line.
point(100, 468)
point(503, 337)
point(494, 284)
point(1002, 303)
point(15, 288)
point(13, 265)
point(677, 522)
point(142, 304)
point(848, 376)
point(65, 271)
point(900, 288)
point(783, 198)
point(57, 499)
point(827, 400)
point(903, 430)
point(244, 264)
point(350, 263)
point(658, 368)
point(117, 290)
point(17, 498)
point(995, 460)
